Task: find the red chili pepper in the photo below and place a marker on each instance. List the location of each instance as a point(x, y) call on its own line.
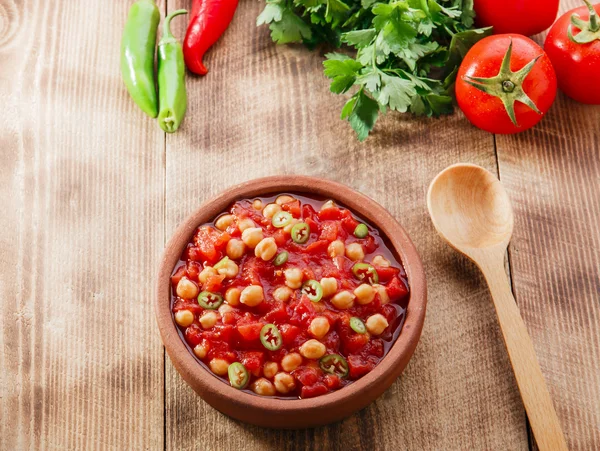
point(209, 20)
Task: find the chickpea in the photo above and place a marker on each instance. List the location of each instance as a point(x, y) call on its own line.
point(329, 285)
point(224, 221)
point(291, 361)
point(207, 272)
point(328, 204)
point(382, 292)
point(380, 260)
point(283, 294)
point(319, 327)
point(209, 319)
point(235, 249)
point(376, 324)
point(252, 236)
point(252, 295)
point(184, 318)
point(245, 223)
point(225, 308)
point(187, 289)
point(284, 199)
point(232, 296)
point(219, 366)
point(270, 210)
point(266, 249)
point(202, 349)
point(343, 300)
point(364, 293)
point(355, 252)
point(257, 204)
point(288, 228)
point(284, 383)
point(228, 268)
point(263, 387)
point(270, 369)
point(312, 349)
point(293, 278)
point(336, 248)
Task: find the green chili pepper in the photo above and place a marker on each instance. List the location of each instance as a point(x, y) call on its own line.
point(364, 271)
point(171, 78)
point(238, 375)
point(301, 233)
point(209, 300)
point(357, 325)
point(281, 219)
point(281, 258)
point(313, 290)
point(137, 55)
point(334, 364)
point(222, 263)
point(361, 231)
point(270, 337)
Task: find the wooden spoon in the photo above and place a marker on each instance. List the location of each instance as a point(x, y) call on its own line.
point(471, 211)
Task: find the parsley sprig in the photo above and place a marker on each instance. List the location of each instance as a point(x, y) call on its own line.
point(407, 52)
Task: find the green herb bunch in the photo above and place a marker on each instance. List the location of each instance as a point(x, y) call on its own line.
point(407, 51)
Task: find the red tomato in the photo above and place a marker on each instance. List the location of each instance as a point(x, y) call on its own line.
point(250, 332)
point(314, 390)
point(486, 110)
point(577, 65)
point(526, 17)
point(396, 289)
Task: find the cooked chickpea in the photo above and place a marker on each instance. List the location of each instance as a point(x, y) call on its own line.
point(270, 210)
point(364, 293)
point(229, 269)
point(207, 272)
point(329, 285)
point(293, 278)
point(319, 327)
point(328, 204)
point(291, 361)
point(355, 252)
point(187, 289)
point(257, 204)
point(288, 228)
point(312, 349)
point(266, 249)
point(284, 199)
point(235, 249)
point(225, 308)
point(263, 387)
point(224, 221)
point(284, 383)
point(252, 295)
point(382, 292)
point(336, 248)
point(376, 324)
point(380, 260)
point(270, 369)
point(219, 366)
point(283, 294)
point(184, 318)
point(209, 319)
point(246, 223)
point(202, 349)
point(252, 236)
point(232, 296)
point(343, 300)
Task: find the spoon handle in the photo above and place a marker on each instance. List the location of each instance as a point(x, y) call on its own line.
point(530, 380)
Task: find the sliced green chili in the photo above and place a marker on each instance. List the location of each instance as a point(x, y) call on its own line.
point(361, 231)
point(313, 290)
point(209, 300)
point(281, 219)
point(238, 375)
point(281, 258)
point(270, 337)
point(365, 272)
point(334, 364)
point(222, 263)
point(357, 325)
point(301, 233)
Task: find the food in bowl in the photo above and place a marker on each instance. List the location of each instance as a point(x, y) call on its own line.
point(289, 296)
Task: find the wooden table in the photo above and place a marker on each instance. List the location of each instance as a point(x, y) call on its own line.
point(90, 189)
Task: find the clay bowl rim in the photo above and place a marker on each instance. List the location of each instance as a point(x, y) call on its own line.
point(389, 368)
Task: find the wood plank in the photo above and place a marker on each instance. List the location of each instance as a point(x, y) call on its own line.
point(81, 187)
point(264, 110)
point(552, 174)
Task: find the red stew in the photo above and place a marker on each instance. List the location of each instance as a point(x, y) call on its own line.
point(289, 296)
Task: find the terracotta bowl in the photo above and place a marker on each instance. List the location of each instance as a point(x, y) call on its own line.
point(294, 413)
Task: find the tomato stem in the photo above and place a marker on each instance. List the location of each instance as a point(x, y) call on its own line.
point(588, 31)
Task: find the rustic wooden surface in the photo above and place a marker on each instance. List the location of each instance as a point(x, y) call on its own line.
point(90, 189)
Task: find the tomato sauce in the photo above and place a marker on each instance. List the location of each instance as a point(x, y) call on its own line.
point(340, 291)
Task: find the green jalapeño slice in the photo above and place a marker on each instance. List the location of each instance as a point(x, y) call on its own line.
point(270, 337)
point(365, 273)
point(238, 375)
point(222, 263)
point(281, 258)
point(209, 300)
point(313, 290)
point(301, 233)
point(281, 219)
point(334, 364)
point(357, 325)
point(361, 231)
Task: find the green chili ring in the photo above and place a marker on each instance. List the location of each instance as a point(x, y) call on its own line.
point(313, 290)
point(210, 300)
point(357, 325)
point(334, 364)
point(361, 231)
point(222, 263)
point(281, 258)
point(281, 219)
point(270, 337)
point(301, 233)
point(365, 272)
point(238, 375)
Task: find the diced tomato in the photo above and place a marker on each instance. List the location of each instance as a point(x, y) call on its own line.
point(220, 332)
point(360, 366)
point(250, 332)
point(314, 227)
point(330, 214)
point(306, 375)
point(374, 347)
point(230, 318)
point(193, 335)
point(331, 341)
point(331, 316)
point(349, 224)
point(178, 274)
point(317, 247)
point(332, 381)
point(205, 239)
point(389, 312)
point(289, 333)
point(222, 240)
point(187, 305)
point(214, 283)
point(195, 254)
point(354, 343)
point(278, 314)
point(370, 244)
point(280, 238)
point(386, 273)
point(253, 361)
point(292, 208)
point(308, 212)
point(396, 289)
point(314, 390)
point(329, 231)
point(193, 269)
